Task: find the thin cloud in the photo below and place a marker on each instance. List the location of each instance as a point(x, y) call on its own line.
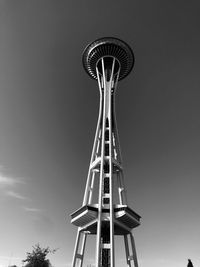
point(9, 181)
point(15, 195)
point(32, 209)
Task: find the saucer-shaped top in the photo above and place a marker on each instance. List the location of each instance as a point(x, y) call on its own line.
point(108, 47)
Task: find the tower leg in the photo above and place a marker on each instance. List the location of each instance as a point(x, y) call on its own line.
point(134, 250)
point(76, 254)
point(127, 250)
point(83, 247)
point(130, 257)
point(98, 244)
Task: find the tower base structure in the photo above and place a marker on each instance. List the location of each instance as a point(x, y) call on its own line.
point(104, 212)
point(86, 219)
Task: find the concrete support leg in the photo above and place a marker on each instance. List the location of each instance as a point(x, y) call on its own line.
point(127, 251)
point(134, 250)
point(77, 255)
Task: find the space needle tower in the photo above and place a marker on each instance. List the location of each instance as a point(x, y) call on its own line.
point(105, 213)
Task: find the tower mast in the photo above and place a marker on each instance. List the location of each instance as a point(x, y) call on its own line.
point(105, 212)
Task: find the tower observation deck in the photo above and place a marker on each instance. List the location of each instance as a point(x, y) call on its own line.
point(104, 211)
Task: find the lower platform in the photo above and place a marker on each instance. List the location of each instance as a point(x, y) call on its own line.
point(125, 218)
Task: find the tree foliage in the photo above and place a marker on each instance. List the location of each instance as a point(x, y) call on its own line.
point(37, 258)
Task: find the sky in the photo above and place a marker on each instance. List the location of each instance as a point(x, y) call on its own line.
point(48, 116)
